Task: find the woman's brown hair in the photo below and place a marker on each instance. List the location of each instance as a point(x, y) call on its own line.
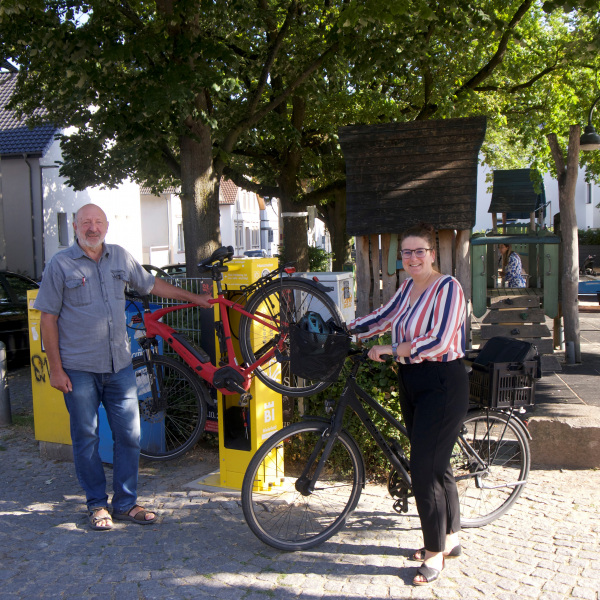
point(422, 230)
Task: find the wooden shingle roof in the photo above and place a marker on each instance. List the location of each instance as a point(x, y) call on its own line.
point(399, 174)
point(513, 193)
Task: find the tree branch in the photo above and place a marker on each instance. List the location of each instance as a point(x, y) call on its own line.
point(557, 154)
point(498, 57)
point(520, 86)
point(251, 186)
point(324, 193)
point(264, 76)
point(233, 135)
point(171, 160)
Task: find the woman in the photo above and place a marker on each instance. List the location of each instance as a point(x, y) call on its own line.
point(427, 320)
point(512, 269)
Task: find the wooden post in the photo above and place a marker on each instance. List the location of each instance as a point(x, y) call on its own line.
point(363, 276)
point(446, 239)
point(375, 270)
point(495, 222)
point(463, 273)
point(388, 279)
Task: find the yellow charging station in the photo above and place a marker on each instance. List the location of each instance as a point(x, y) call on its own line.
point(242, 430)
point(50, 415)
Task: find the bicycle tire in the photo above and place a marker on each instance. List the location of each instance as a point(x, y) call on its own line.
point(173, 423)
point(485, 494)
point(256, 339)
point(281, 516)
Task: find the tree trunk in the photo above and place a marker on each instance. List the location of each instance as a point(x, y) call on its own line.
point(295, 233)
point(567, 180)
point(295, 228)
point(199, 196)
point(334, 216)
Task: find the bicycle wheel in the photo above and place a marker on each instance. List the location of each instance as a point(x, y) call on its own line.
point(488, 490)
point(174, 420)
point(282, 303)
point(277, 506)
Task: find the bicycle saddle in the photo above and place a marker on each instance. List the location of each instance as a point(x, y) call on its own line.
point(219, 255)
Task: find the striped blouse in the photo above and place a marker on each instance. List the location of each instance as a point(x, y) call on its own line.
point(435, 325)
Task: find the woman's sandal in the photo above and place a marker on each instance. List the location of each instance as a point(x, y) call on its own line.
point(429, 574)
point(94, 519)
point(419, 555)
point(139, 517)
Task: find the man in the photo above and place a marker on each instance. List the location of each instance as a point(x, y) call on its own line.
point(82, 302)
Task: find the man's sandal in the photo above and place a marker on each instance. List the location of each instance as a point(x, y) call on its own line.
point(139, 517)
point(429, 574)
point(419, 555)
point(94, 519)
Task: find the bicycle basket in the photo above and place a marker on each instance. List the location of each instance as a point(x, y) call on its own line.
point(317, 356)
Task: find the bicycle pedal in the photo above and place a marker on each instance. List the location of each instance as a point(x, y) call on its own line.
point(245, 399)
point(401, 506)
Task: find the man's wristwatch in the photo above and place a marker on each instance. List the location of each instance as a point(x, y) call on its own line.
point(395, 350)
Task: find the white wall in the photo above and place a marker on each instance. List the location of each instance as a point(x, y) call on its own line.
point(23, 242)
point(121, 205)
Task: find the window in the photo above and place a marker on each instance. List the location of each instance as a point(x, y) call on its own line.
point(63, 229)
point(590, 194)
point(180, 240)
point(239, 235)
point(255, 238)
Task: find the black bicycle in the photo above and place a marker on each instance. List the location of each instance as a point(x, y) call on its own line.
point(305, 480)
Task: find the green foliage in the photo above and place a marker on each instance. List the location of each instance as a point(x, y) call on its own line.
point(589, 237)
point(379, 380)
point(318, 259)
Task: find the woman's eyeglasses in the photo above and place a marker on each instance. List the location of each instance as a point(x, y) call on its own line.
point(418, 252)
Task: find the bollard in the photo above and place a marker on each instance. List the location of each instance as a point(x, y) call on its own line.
point(5, 414)
point(570, 353)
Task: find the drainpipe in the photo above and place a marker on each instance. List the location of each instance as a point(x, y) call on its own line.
point(31, 204)
point(169, 224)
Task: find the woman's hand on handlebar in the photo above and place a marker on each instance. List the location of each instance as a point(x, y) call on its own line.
point(380, 353)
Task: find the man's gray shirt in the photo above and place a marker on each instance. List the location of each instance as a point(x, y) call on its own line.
point(89, 299)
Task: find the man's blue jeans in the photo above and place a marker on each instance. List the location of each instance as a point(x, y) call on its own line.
point(118, 393)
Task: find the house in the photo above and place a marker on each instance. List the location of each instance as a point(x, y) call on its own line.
point(36, 205)
point(248, 222)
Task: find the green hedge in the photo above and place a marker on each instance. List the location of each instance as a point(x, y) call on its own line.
point(589, 237)
point(379, 380)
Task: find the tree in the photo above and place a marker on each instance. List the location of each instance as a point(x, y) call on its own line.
point(160, 92)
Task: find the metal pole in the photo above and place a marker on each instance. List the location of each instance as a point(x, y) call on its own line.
point(5, 414)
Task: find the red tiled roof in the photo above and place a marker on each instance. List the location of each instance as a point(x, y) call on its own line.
point(227, 191)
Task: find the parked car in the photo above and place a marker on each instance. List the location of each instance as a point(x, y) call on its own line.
point(259, 253)
point(14, 329)
point(166, 272)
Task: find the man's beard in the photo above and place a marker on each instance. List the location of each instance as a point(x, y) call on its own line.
point(93, 244)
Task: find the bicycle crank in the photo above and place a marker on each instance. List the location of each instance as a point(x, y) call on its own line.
point(398, 488)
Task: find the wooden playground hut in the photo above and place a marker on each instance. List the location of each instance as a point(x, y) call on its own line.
point(398, 175)
point(517, 194)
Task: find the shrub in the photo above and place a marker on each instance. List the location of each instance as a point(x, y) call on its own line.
point(589, 237)
point(379, 380)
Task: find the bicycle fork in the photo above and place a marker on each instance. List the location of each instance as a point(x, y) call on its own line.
point(305, 484)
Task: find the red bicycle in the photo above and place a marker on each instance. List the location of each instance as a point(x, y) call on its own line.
point(174, 394)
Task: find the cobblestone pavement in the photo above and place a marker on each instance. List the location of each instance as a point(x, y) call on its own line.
point(546, 547)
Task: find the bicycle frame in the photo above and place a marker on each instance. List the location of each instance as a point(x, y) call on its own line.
point(353, 397)
point(199, 361)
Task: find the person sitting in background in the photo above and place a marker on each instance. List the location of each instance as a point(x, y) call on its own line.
point(512, 269)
